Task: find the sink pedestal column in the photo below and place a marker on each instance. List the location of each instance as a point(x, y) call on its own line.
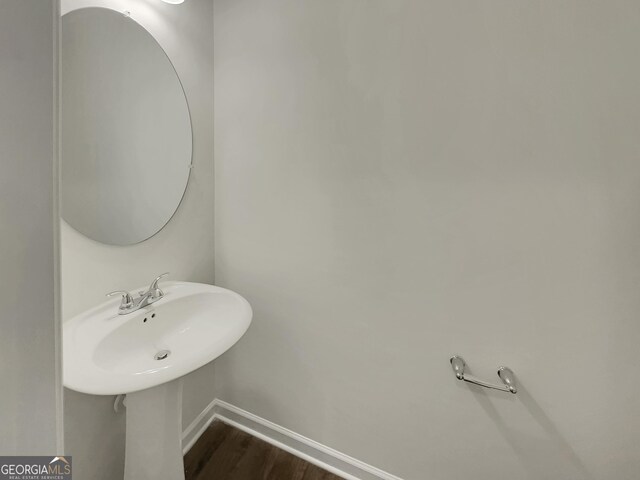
point(154, 433)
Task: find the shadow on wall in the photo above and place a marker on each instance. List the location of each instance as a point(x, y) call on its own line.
point(248, 395)
point(535, 453)
point(94, 456)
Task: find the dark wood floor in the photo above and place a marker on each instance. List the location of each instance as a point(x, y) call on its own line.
point(226, 453)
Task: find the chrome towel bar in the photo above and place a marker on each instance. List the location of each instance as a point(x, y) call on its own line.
point(505, 373)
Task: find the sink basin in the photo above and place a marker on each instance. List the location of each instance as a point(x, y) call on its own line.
point(108, 354)
point(145, 354)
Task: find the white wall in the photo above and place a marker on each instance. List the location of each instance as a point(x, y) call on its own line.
point(400, 181)
point(94, 433)
point(31, 400)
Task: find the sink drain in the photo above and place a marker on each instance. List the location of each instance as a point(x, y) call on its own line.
point(162, 354)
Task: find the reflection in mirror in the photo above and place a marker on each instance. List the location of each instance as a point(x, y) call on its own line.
point(126, 130)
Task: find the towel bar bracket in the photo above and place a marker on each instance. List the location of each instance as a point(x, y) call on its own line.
point(505, 374)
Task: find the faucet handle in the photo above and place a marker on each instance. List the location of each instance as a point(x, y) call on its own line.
point(127, 299)
point(154, 289)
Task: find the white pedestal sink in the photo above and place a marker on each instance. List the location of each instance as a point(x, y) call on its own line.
point(145, 354)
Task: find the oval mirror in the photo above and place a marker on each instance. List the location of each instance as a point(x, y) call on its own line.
point(125, 128)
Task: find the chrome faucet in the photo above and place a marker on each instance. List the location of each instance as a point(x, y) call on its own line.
point(130, 304)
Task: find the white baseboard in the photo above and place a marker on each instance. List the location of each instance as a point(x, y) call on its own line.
point(313, 452)
point(194, 431)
